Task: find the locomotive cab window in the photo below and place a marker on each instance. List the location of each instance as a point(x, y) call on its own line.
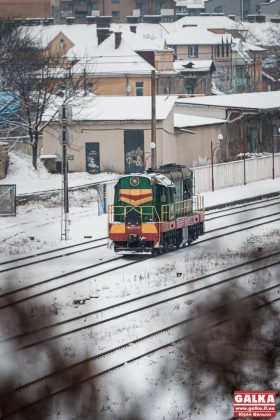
point(162, 195)
point(117, 193)
point(172, 194)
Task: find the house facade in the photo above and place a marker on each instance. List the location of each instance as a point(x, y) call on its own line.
point(114, 134)
point(271, 9)
point(198, 43)
point(194, 77)
point(22, 9)
point(240, 9)
point(119, 10)
point(247, 74)
point(252, 119)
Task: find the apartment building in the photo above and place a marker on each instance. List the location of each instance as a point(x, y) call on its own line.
point(118, 9)
point(22, 9)
point(241, 8)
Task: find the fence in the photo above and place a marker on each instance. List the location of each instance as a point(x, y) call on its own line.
point(7, 200)
point(231, 174)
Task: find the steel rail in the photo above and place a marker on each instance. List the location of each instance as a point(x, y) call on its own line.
point(121, 347)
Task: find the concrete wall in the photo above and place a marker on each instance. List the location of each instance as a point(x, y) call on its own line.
point(233, 7)
point(200, 110)
point(195, 149)
point(119, 85)
point(171, 147)
point(271, 8)
point(111, 143)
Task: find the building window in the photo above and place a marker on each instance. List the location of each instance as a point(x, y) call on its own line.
point(140, 6)
point(139, 88)
point(218, 9)
point(115, 1)
point(193, 51)
point(61, 43)
point(159, 6)
point(240, 72)
point(115, 14)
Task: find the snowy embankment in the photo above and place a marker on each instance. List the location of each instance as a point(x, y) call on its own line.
point(29, 180)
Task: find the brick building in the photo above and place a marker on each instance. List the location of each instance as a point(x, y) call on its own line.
point(11, 9)
point(119, 10)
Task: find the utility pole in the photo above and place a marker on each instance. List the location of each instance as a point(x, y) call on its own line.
point(153, 127)
point(64, 225)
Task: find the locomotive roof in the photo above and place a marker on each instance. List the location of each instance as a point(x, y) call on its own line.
point(155, 177)
point(166, 174)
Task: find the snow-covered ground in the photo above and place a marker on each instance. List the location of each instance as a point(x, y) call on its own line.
point(153, 388)
point(38, 225)
point(27, 179)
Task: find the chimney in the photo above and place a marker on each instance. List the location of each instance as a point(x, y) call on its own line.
point(118, 38)
point(103, 21)
point(102, 34)
point(133, 28)
point(70, 20)
point(91, 19)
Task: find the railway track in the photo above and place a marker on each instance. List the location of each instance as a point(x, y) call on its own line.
point(38, 390)
point(143, 302)
point(52, 254)
point(82, 247)
point(131, 354)
point(34, 290)
point(19, 295)
point(246, 207)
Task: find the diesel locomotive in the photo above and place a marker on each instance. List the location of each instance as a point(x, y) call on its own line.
point(155, 211)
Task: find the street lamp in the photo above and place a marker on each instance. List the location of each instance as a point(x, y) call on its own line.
point(151, 154)
point(273, 152)
point(220, 138)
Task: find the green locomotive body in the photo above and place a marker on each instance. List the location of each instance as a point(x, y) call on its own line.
point(155, 211)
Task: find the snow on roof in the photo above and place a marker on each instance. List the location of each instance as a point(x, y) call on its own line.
point(255, 100)
point(83, 36)
point(192, 65)
point(109, 60)
point(264, 34)
point(240, 45)
point(196, 36)
point(128, 108)
point(182, 3)
point(152, 32)
point(195, 6)
point(118, 108)
point(138, 41)
point(203, 22)
point(185, 121)
point(44, 157)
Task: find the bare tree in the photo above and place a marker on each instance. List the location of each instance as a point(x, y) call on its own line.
point(272, 59)
point(35, 76)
